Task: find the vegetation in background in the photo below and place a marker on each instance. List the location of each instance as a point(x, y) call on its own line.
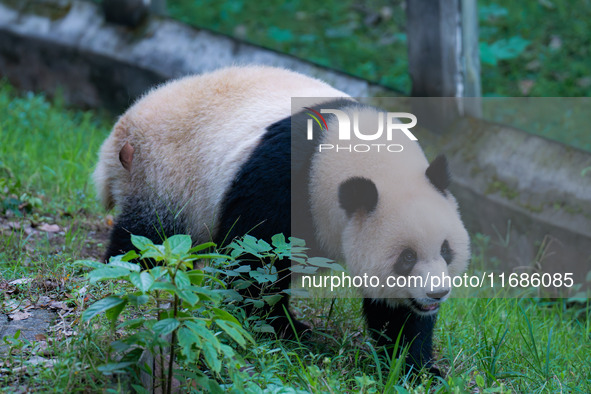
point(366, 38)
point(532, 48)
point(552, 40)
point(564, 119)
point(486, 345)
point(47, 154)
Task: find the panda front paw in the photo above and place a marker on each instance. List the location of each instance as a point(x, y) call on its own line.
point(420, 368)
point(286, 331)
point(289, 328)
point(433, 370)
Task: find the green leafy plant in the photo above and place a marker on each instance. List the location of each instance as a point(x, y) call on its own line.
point(183, 294)
point(503, 49)
point(13, 197)
point(255, 269)
point(184, 314)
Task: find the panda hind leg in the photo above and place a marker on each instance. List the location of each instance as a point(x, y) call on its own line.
point(386, 323)
point(139, 217)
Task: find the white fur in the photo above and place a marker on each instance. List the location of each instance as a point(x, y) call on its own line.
point(193, 134)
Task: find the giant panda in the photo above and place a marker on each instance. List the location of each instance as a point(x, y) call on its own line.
point(213, 156)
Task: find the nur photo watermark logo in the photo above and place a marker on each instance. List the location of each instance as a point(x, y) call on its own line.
point(360, 125)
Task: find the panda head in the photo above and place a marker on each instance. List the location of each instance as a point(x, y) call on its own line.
point(404, 235)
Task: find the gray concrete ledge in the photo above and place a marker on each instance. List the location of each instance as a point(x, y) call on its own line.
point(46, 45)
point(528, 193)
point(36, 324)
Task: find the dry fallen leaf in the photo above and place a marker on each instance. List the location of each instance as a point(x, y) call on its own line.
point(43, 301)
point(241, 32)
point(59, 305)
point(14, 225)
point(525, 86)
point(21, 281)
point(38, 360)
point(19, 316)
point(547, 3)
point(11, 305)
point(40, 337)
point(47, 284)
point(555, 43)
point(49, 228)
point(68, 332)
point(17, 226)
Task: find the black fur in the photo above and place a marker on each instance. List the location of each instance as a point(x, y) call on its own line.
point(438, 173)
point(258, 203)
point(271, 185)
point(386, 322)
point(139, 216)
point(358, 194)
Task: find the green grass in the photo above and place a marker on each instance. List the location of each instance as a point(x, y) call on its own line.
point(501, 345)
point(557, 57)
point(74, 364)
point(47, 153)
point(520, 344)
point(49, 150)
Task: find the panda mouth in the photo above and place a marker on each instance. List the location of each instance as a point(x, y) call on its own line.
point(428, 308)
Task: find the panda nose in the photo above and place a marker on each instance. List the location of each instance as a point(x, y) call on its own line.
point(438, 294)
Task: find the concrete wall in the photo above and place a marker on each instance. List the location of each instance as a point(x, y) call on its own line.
point(51, 44)
point(527, 193)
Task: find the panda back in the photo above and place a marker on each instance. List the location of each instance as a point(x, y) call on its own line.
point(191, 138)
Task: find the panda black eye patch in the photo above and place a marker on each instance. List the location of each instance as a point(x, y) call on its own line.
point(446, 252)
point(358, 194)
point(405, 262)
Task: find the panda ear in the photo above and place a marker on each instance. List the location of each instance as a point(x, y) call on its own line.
point(438, 173)
point(126, 156)
point(356, 194)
